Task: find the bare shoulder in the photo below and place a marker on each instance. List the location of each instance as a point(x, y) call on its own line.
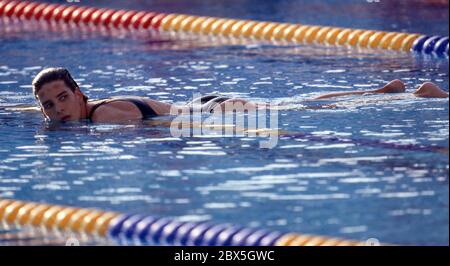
point(116, 111)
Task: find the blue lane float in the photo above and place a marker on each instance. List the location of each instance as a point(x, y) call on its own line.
point(441, 46)
point(431, 45)
point(418, 44)
point(165, 231)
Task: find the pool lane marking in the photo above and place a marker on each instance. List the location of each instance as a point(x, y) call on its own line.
point(256, 30)
point(144, 230)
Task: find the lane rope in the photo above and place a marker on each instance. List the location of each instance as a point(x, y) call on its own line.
point(150, 230)
point(237, 28)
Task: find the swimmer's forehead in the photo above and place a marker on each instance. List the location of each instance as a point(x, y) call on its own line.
point(52, 89)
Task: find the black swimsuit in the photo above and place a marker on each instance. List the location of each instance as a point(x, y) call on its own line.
point(205, 103)
point(143, 106)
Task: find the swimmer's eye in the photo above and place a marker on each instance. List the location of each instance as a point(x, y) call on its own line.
point(62, 98)
point(48, 105)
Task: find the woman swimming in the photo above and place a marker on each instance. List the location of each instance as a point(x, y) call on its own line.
point(60, 99)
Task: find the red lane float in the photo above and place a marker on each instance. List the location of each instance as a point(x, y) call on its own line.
point(129, 19)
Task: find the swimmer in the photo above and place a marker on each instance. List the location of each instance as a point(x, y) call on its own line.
point(60, 99)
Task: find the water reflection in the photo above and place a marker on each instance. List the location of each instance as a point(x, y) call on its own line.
point(334, 177)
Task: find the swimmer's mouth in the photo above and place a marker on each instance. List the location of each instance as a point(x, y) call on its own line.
point(65, 118)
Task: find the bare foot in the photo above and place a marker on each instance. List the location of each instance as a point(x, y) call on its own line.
point(429, 89)
point(394, 86)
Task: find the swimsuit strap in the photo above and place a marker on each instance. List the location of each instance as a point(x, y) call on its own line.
point(204, 99)
point(97, 105)
point(143, 106)
point(211, 104)
point(207, 103)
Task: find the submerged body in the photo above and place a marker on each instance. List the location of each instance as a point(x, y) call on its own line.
point(61, 99)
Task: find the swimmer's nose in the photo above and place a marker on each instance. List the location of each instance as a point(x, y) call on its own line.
point(59, 109)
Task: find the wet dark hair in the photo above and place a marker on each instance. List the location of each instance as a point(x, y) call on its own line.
point(51, 74)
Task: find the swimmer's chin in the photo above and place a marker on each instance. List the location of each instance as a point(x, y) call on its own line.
point(67, 119)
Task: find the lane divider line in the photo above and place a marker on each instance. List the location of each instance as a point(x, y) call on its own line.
point(150, 230)
point(249, 29)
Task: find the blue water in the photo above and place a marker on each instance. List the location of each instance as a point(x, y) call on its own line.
point(352, 190)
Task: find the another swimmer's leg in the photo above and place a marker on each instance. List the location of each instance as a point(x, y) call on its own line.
point(431, 90)
point(395, 86)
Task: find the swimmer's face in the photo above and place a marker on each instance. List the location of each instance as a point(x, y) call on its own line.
point(59, 103)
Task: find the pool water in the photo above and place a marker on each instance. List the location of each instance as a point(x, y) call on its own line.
point(304, 184)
